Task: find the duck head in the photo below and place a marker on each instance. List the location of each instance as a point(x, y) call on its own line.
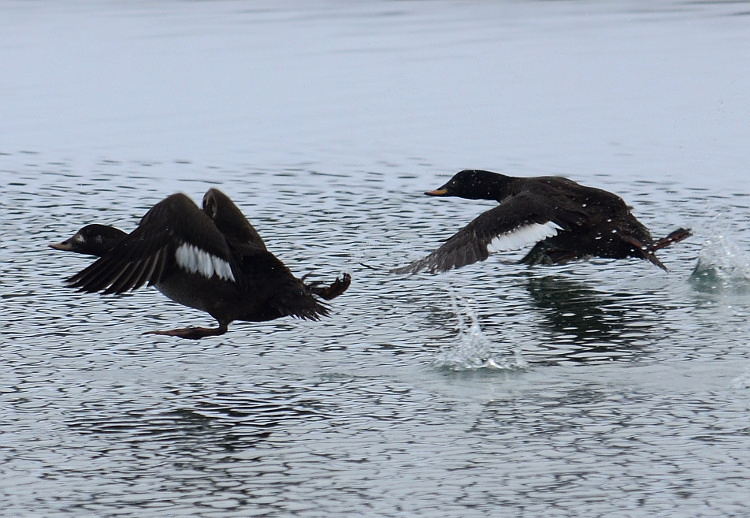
point(94, 240)
point(473, 184)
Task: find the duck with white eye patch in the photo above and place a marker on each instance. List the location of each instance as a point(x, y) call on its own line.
point(212, 260)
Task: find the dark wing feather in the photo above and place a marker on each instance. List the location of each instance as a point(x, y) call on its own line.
point(267, 278)
point(230, 221)
point(470, 244)
point(147, 254)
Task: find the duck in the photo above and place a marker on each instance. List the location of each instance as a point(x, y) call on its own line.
point(211, 259)
point(564, 220)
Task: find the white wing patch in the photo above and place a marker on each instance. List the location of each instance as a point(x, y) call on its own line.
point(524, 235)
point(194, 260)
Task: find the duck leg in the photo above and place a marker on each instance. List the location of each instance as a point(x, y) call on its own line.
point(645, 250)
point(336, 288)
point(560, 256)
point(674, 237)
point(537, 255)
point(193, 333)
point(542, 253)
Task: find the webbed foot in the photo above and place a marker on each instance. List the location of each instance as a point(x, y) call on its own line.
point(192, 333)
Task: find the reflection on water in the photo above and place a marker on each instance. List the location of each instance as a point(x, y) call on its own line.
point(210, 417)
point(571, 307)
point(587, 325)
point(588, 389)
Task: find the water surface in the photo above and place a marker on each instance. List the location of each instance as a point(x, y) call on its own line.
point(589, 389)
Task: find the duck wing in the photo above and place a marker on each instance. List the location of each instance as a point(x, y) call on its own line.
point(520, 220)
point(174, 233)
point(230, 220)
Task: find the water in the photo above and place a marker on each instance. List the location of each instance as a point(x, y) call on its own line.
point(589, 389)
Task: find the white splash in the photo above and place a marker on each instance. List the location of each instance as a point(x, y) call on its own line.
point(472, 349)
point(524, 235)
point(722, 265)
point(194, 260)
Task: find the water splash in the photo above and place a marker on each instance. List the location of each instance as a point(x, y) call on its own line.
point(722, 266)
point(472, 350)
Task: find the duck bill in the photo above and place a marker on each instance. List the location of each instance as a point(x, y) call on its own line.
point(65, 246)
point(438, 192)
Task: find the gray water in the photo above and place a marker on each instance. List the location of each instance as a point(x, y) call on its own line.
point(598, 388)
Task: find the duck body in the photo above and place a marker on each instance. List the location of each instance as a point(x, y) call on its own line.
point(565, 220)
point(212, 260)
point(267, 290)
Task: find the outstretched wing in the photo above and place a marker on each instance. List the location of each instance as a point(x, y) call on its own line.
point(517, 222)
point(230, 221)
point(175, 233)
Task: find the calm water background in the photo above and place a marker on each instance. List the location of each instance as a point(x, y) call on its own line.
point(590, 389)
